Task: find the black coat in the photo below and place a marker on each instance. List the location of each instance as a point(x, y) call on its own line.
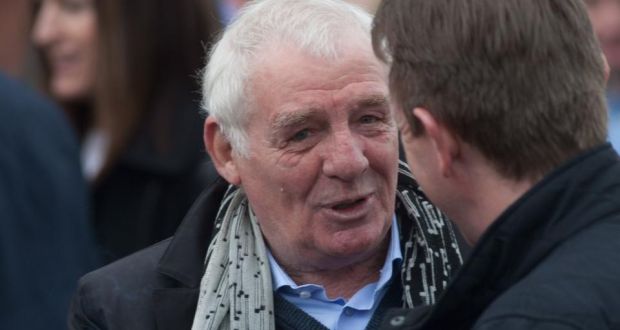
point(46, 239)
point(551, 261)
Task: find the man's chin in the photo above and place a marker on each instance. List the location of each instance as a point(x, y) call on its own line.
point(352, 250)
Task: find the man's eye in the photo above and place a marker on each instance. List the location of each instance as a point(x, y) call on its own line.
point(301, 135)
point(368, 119)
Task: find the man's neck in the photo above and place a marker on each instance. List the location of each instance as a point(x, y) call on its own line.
point(488, 195)
point(498, 200)
point(343, 281)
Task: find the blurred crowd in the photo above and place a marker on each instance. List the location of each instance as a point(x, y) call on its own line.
point(102, 138)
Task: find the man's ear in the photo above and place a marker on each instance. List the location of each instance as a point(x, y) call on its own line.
point(221, 151)
point(607, 68)
point(444, 144)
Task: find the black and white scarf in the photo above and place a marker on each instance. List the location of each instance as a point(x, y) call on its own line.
point(236, 288)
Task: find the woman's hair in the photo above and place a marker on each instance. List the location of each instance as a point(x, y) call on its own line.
point(150, 52)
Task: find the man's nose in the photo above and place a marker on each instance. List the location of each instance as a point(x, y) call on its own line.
point(344, 157)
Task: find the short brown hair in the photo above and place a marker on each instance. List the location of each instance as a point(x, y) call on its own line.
point(521, 80)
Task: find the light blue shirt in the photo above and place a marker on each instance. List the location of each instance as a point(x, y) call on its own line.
point(338, 313)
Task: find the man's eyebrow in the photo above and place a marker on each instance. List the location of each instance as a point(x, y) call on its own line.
point(285, 120)
point(295, 118)
point(372, 101)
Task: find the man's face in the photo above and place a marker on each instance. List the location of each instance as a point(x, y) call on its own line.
point(321, 174)
point(605, 17)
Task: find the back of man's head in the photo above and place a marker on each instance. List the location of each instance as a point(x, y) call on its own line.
point(520, 80)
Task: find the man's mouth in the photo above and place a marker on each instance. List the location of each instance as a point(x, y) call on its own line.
point(347, 205)
point(350, 208)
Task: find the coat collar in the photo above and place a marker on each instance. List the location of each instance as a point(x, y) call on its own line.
point(182, 263)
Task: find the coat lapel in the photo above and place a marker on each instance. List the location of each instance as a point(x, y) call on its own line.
point(183, 262)
point(175, 308)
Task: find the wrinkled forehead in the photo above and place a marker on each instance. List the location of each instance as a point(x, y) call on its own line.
point(294, 90)
point(341, 46)
point(283, 70)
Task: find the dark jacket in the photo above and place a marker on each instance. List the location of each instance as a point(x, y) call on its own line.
point(158, 288)
point(144, 196)
point(46, 239)
point(550, 261)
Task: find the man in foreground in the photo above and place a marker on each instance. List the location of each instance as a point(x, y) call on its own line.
point(503, 118)
point(321, 229)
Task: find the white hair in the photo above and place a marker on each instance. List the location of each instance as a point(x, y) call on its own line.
point(315, 26)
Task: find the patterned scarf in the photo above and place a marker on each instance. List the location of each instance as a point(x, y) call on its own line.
point(236, 291)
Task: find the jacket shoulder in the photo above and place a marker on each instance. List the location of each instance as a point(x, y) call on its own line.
point(119, 295)
point(576, 287)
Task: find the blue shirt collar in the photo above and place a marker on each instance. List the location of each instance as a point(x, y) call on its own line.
point(281, 281)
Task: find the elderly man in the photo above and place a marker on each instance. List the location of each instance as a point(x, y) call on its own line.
point(503, 117)
point(320, 227)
